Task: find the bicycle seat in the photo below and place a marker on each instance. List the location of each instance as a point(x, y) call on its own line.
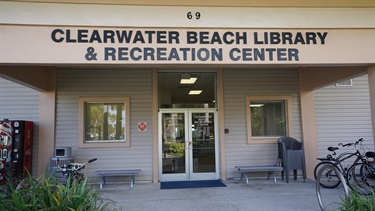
point(332, 149)
point(370, 154)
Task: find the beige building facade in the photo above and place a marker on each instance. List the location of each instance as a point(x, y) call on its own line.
point(243, 54)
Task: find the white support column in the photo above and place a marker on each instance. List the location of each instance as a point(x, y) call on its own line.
point(155, 126)
point(371, 82)
point(222, 156)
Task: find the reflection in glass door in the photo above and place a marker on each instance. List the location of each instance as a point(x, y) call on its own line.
point(203, 142)
point(188, 144)
point(173, 143)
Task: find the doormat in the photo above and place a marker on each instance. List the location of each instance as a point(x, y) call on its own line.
point(192, 184)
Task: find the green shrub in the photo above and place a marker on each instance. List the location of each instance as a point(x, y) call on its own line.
point(176, 148)
point(358, 202)
point(50, 195)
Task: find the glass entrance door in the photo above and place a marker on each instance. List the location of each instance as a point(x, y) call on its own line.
point(188, 144)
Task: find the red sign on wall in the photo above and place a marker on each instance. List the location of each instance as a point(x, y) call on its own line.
point(142, 126)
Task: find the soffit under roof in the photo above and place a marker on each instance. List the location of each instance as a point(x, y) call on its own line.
point(224, 3)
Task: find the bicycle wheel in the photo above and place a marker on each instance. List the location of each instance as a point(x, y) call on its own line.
point(23, 184)
point(331, 199)
point(78, 177)
point(361, 178)
point(74, 179)
point(328, 177)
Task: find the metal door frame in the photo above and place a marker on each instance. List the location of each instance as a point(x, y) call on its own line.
point(189, 175)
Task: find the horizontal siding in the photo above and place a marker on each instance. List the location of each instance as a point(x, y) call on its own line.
point(241, 83)
point(343, 115)
point(136, 84)
point(18, 102)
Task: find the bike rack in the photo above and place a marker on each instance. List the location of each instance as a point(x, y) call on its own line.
point(343, 182)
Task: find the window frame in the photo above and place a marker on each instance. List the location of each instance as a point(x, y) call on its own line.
point(82, 101)
point(342, 83)
point(288, 116)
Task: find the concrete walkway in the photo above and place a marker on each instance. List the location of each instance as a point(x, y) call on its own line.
point(262, 195)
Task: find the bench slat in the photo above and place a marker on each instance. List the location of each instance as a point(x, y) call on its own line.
point(248, 169)
point(116, 173)
point(259, 168)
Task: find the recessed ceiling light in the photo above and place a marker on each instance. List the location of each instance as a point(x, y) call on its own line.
point(256, 105)
point(188, 81)
point(195, 92)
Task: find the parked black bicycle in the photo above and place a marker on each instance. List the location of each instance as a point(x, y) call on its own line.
point(359, 175)
point(72, 170)
point(329, 179)
point(363, 175)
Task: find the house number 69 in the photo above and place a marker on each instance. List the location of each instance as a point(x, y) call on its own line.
point(190, 16)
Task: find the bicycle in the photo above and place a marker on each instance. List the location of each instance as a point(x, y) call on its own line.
point(363, 176)
point(330, 179)
point(362, 181)
point(71, 171)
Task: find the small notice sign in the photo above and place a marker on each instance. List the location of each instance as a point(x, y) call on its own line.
point(142, 126)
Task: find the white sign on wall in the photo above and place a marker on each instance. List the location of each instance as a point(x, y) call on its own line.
point(89, 45)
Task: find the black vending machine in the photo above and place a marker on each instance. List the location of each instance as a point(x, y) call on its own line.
point(16, 144)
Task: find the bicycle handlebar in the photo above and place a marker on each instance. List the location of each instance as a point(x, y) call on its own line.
point(73, 167)
point(350, 144)
point(92, 160)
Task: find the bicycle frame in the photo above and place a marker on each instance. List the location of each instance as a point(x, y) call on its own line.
point(339, 159)
point(345, 156)
point(71, 170)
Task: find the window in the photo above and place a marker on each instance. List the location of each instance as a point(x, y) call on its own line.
point(345, 83)
point(268, 118)
point(104, 122)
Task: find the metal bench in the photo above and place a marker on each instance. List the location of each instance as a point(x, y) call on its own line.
point(117, 173)
point(249, 169)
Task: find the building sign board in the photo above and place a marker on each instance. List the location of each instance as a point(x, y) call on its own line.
point(88, 45)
